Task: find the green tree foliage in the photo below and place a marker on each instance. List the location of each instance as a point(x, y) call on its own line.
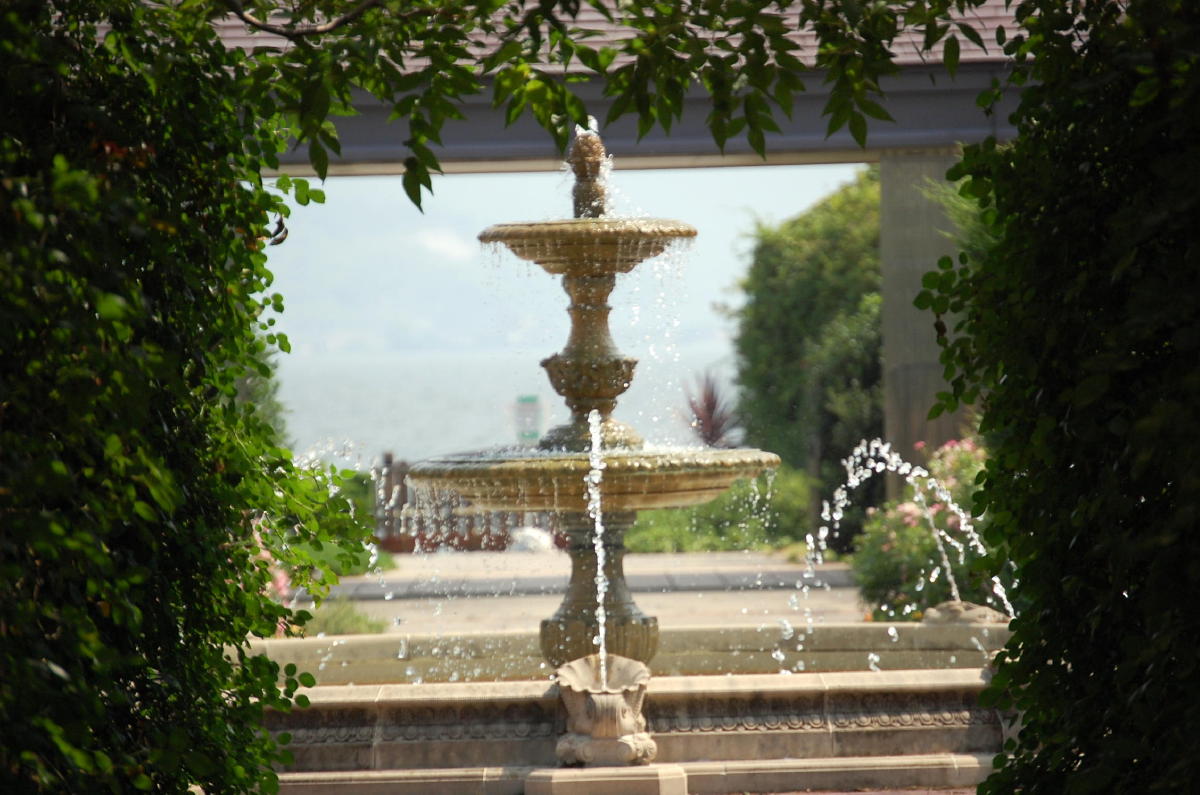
point(1080, 333)
point(808, 339)
point(138, 497)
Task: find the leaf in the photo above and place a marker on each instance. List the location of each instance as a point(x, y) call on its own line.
point(950, 53)
point(1091, 389)
point(874, 109)
point(412, 181)
point(110, 306)
point(839, 113)
point(858, 129)
point(319, 159)
point(972, 35)
point(754, 136)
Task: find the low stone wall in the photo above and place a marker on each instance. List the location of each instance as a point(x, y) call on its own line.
point(770, 648)
point(806, 716)
point(709, 724)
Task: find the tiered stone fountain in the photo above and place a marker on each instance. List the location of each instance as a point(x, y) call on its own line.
point(590, 373)
point(756, 732)
point(594, 631)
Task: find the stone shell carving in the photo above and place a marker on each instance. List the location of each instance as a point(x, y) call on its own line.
point(605, 725)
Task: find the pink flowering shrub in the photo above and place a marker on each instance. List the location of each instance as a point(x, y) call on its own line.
point(896, 561)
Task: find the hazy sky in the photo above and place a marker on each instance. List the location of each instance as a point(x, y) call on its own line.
point(368, 273)
point(408, 336)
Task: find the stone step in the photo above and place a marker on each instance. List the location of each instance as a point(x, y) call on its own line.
point(719, 728)
point(840, 774)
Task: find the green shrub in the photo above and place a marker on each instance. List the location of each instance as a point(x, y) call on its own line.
point(751, 515)
point(339, 616)
point(897, 562)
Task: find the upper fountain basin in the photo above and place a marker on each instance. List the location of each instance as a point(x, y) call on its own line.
point(588, 246)
point(633, 480)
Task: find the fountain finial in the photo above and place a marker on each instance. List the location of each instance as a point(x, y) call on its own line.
point(588, 158)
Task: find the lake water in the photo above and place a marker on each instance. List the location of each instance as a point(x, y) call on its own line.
point(350, 408)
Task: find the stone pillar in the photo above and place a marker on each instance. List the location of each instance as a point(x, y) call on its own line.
point(912, 237)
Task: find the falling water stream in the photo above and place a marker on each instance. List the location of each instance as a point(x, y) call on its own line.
point(593, 480)
point(873, 457)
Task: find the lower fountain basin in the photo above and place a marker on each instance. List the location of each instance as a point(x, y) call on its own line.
point(729, 734)
point(633, 480)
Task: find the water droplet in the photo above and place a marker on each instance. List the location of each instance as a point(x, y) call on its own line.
point(787, 629)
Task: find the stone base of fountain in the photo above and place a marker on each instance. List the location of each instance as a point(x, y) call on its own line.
point(648, 780)
point(891, 729)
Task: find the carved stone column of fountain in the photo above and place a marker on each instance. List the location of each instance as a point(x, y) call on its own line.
point(590, 373)
point(570, 633)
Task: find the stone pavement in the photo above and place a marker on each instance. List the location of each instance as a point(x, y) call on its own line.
point(492, 591)
point(454, 573)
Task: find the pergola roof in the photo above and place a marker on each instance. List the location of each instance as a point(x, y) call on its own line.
point(931, 111)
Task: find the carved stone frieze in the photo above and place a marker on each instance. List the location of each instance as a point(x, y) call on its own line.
point(420, 724)
point(347, 726)
point(495, 721)
point(853, 711)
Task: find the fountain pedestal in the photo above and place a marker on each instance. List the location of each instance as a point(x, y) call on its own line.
point(572, 632)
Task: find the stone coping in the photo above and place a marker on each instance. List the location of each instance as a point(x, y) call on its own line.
point(663, 687)
point(514, 656)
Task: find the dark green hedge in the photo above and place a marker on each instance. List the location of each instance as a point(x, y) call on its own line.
point(134, 488)
point(1081, 332)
